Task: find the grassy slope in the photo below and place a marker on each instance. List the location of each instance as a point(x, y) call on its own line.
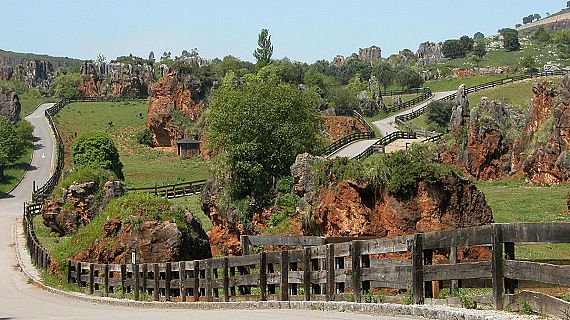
point(29, 105)
point(192, 203)
point(453, 84)
point(143, 166)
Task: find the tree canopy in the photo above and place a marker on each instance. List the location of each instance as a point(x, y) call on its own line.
point(96, 150)
point(260, 124)
point(13, 142)
point(511, 39)
point(265, 51)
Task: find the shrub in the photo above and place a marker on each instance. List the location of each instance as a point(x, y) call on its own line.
point(439, 113)
point(284, 185)
point(144, 137)
point(96, 150)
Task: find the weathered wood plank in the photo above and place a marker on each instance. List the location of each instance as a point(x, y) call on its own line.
point(471, 270)
point(241, 261)
point(244, 280)
point(342, 249)
point(461, 237)
point(553, 232)
point(417, 269)
point(387, 274)
point(539, 272)
point(286, 240)
point(386, 245)
point(497, 268)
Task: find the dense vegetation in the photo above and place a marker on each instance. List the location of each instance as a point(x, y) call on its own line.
point(96, 150)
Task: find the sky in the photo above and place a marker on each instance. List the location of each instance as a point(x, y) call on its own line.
point(306, 30)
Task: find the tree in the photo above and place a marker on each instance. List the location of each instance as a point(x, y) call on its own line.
point(452, 49)
point(384, 72)
point(518, 25)
point(96, 150)
point(342, 99)
point(66, 86)
point(151, 56)
point(527, 20)
point(438, 113)
point(408, 78)
point(165, 56)
point(511, 39)
point(265, 51)
point(541, 36)
point(466, 43)
point(100, 58)
point(261, 124)
point(478, 36)
point(480, 50)
point(12, 144)
point(529, 63)
point(537, 16)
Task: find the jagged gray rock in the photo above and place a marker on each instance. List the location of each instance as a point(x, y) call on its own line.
point(369, 54)
point(429, 53)
point(9, 105)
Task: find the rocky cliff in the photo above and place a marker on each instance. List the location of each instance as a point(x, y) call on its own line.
point(115, 79)
point(429, 53)
point(9, 105)
point(175, 96)
point(34, 74)
point(370, 54)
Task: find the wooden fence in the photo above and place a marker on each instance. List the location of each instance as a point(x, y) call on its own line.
point(334, 271)
point(408, 104)
point(379, 145)
point(174, 190)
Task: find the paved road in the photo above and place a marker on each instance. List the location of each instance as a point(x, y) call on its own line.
point(386, 127)
point(19, 300)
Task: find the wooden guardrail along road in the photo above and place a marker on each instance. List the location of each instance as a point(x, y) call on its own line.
point(327, 272)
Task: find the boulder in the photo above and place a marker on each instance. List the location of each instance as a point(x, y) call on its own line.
point(78, 206)
point(152, 241)
point(9, 105)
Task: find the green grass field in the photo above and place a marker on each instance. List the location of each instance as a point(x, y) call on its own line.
point(516, 201)
point(29, 105)
point(143, 166)
point(192, 203)
point(15, 172)
point(453, 84)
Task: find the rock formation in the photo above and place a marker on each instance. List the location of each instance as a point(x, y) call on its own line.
point(34, 74)
point(337, 127)
point(460, 113)
point(78, 206)
point(548, 130)
point(174, 93)
point(368, 106)
point(9, 105)
point(429, 53)
point(153, 242)
point(115, 79)
point(350, 208)
point(370, 54)
point(338, 60)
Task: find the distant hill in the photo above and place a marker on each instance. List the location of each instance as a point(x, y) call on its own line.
point(557, 21)
point(9, 58)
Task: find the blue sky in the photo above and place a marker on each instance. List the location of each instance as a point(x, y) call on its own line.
point(301, 30)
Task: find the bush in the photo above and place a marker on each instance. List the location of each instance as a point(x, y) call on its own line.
point(13, 142)
point(284, 185)
point(96, 150)
point(409, 78)
point(439, 113)
point(144, 137)
point(66, 86)
point(511, 39)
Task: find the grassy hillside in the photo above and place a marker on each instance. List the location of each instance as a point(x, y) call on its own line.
point(143, 166)
point(20, 58)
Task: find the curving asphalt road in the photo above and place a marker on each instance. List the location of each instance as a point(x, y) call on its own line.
point(19, 300)
point(386, 127)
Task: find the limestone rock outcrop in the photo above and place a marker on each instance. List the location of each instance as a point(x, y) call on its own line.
point(78, 206)
point(34, 74)
point(9, 105)
point(174, 94)
point(429, 53)
point(350, 208)
point(115, 79)
point(370, 54)
point(152, 241)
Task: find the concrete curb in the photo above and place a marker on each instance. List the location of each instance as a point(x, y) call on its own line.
point(384, 309)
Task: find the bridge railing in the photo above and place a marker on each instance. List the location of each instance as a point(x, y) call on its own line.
point(379, 145)
point(335, 271)
point(177, 190)
point(410, 103)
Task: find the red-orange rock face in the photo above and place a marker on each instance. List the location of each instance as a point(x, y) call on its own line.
point(173, 93)
point(340, 126)
point(115, 79)
point(353, 209)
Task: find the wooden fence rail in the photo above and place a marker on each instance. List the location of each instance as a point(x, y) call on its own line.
point(382, 143)
point(174, 190)
point(333, 271)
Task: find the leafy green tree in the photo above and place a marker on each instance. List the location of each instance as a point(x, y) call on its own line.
point(291, 71)
point(260, 124)
point(356, 85)
point(452, 49)
point(13, 141)
point(541, 36)
point(466, 43)
point(438, 113)
point(342, 99)
point(96, 150)
point(480, 49)
point(66, 86)
point(562, 40)
point(100, 58)
point(385, 73)
point(318, 81)
point(478, 36)
point(408, 78)
point(265, 51)
point(511, 39)
point(529, 63)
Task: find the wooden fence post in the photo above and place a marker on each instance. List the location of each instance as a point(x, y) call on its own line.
point(245, 245)
point(167, 278)
point(156, 291)
point(307, 273)
point(428, 259)
point(68, 271)
point(417, 269)
point(453, 260)
point(91, 280)
point(510, 284)
point(137, 280)
point(498, 278)
point(106, 280)
point(284, 279)
point(227, 279)
point(263, 275)
point(78, 274)
point(356, 283)
point(330, 265)
point(123, 279)
point(182, 280)
point(196, 265)
point(144, 277)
